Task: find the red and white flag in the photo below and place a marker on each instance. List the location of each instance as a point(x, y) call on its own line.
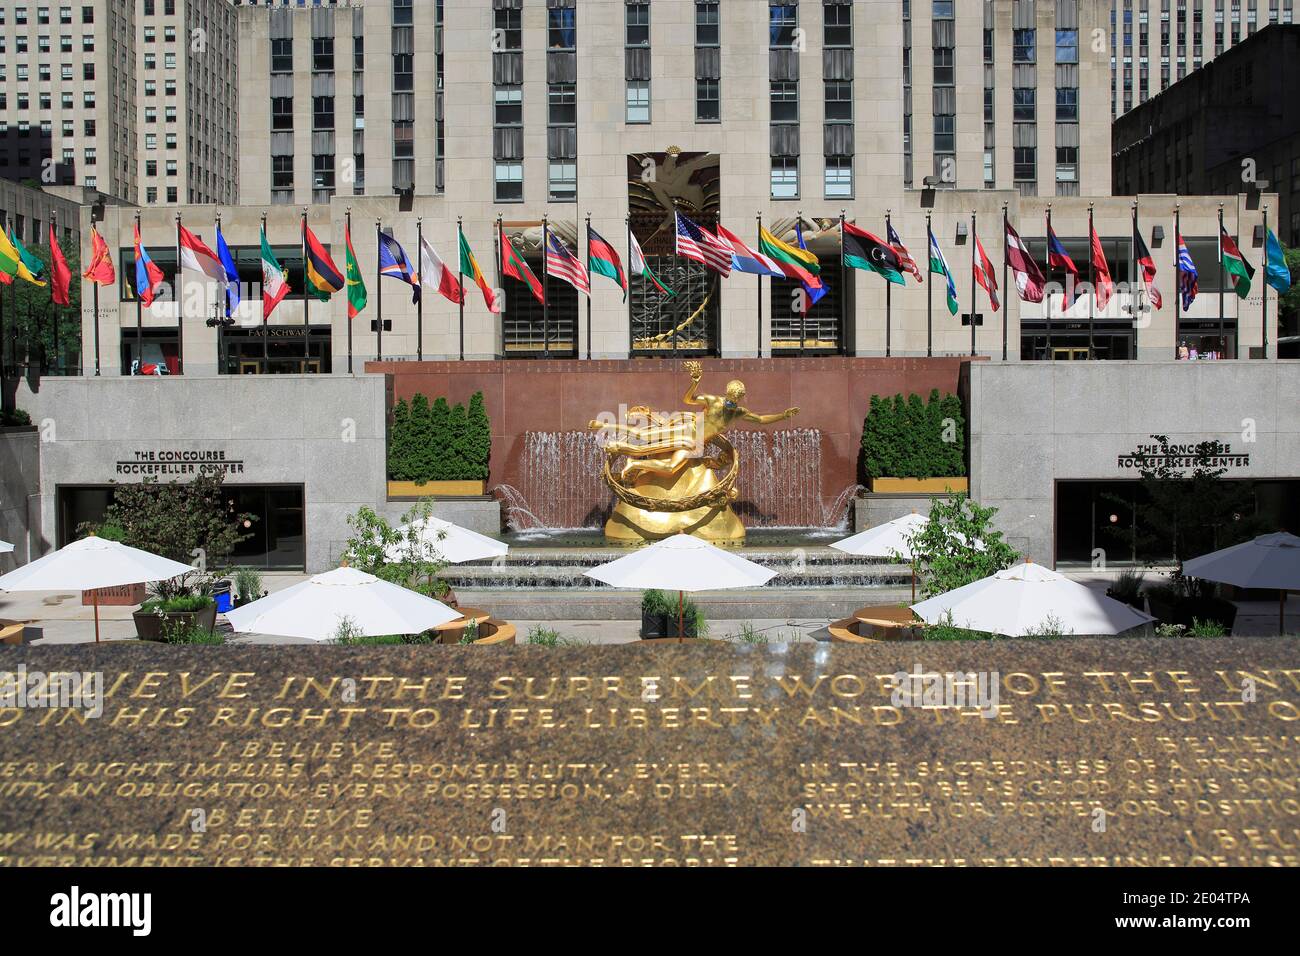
point(198, 257)
point(1103, 287)
point(984, 274)
point(563, 264)
point(1143, 256)
point(435, 275)
point(1030, 282)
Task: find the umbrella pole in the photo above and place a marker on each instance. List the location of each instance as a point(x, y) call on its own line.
point(681, 631)
point(95, 601)
point(1281, 612)
point(914, 584)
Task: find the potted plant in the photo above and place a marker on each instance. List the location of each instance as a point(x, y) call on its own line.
point(1183, 601)
point(438, 449)
point(1128, 588)
point(15, 419)
point(171, 610)
point(654, 614)
point(915, 446)
point(248, 586)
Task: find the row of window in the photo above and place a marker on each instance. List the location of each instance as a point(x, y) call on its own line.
point(43, 15)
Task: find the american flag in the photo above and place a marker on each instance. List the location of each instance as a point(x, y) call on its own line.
point(562, 264)
point(1188, 277)
point(696, 242)
point(904, 257)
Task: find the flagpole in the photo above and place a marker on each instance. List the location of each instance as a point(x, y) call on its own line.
point(974, 241)
point(758, 314)
point(180, 308)
point(379, 295)
point(54, 306)
point(889, 286)
point(1178, 279)
point(589, 284)
point(546, 299)
point(627, 220)
point(1135, 271)
point(223, 308)
point(460, 239)
point(306, 304)
point(1264, 288)
point(266, 349)
point(1092, 280)
point(1222, 277)
point(805, 301)
point(419, 277)
point(139, 303)
point(929, 283)
point(1065, 298)
point(1006, 288)
point(347, 236)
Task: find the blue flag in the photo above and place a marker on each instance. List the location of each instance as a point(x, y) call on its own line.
point(1276, 273)
point(394, 264)
point(232, 274)
point(814, 293)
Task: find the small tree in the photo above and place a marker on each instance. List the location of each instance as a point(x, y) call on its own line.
point(437, 447)
point(400, 445)
point(398, 557)
point(957, 546)
point(480, 444)
point(460, 457)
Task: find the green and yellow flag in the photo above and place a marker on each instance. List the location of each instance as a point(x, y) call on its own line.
point(357, 295)
point(16, 262)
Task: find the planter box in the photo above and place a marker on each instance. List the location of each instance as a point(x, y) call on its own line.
point(919, 486)
point(1184, 610)
point(149, 625)
point(658, 626)
point(128, 595)
point(436, 489)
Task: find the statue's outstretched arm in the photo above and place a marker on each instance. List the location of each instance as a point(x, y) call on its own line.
point(696, 372)
point(772, 419)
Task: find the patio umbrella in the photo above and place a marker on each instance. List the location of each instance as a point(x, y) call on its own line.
point(682, 563)
point(314, 608)
point(1269, 561)
point(454, 543)
point(5, 547)
point(90, 564)
point(891, 539)
point(1021, 598)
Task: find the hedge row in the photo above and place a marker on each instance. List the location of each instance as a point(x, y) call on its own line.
point(904, 437)
point(439, 442)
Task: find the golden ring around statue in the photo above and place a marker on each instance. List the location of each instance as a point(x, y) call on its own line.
point(722, 494)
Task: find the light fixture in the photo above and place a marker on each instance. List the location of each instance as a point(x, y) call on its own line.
point(961, 233)
point(1157, 236)
point(1258, 237)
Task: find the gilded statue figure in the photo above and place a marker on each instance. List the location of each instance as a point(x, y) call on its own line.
point(670, 483)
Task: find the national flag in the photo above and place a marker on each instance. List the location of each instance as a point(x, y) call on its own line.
point(148, 277)
point(563, 264)
point(233, 296)
point(394, 264)
point(197, 257)
point(1058, 258)
point(795, 263)
point(1102, 286)
point(60, 274)
point(696, 242)
point(984, 273)
point(814, 291)
point(515, 266)
point(323, 276)
point(100, 271)
point(1031, 286)
point(603, 260)
point(1276, 272)
point(1148, 266)
point(1188, 277)
point(275, 280)
point(939, 267)
point(864, 250)
point(469, 267)
point(435, 275)
point(745, 259)
point(357, 295)
point(900, 250)
point(30, 260)
point(14, 262)
point(1235, 264)
point(641, 268)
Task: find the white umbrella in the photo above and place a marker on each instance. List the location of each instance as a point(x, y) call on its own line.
point(1269, 561)
point(454, 543)
point(891, 539)
point(5, 547)
point(682, 563)
point(314, 608)
point(1021, 599)
point(90, 564)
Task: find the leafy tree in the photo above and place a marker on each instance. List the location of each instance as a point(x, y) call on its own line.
point(480, 445)
point(1291, 301)
point(904, 437)
point(31, 316)
point(437, 445)
point(458, 461)
point(957, 546)
point(398, 557)
point(399, 443)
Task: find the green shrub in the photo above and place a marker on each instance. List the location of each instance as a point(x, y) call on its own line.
point(544, 636)
point(957, 546)
point(1201, 628)
point(175, 632)
point(905, 436)
point(655, 601)
point(479, 445)
point(178, 603)
point(438, 441)
point(248, 584)
point(945, 630)
point(111, 532)
point(14, 417)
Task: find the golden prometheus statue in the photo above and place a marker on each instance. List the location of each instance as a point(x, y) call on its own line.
point(680, 471)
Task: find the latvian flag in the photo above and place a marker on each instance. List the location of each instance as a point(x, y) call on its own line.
point(696, 242)
point(563, 264)
point(1030, 283)
point(1148, 265)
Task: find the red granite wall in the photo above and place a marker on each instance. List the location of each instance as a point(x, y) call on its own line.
point(558, 396)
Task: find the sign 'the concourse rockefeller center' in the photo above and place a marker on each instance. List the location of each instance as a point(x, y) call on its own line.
point(1067, 752)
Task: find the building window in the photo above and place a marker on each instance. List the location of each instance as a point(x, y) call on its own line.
point(562, 105)
point(282, 55)
point(509, 179)
point(839, 177)
point(1067, 46)
point(1024, 104)
point(707, 105)
point(783, 20)
point(785, 102)
point(638, 101)
point(562, 179)
point(637, 24)
point(785, 177)
point(706, 24)
point(1023, 46)
point(1067, 105)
